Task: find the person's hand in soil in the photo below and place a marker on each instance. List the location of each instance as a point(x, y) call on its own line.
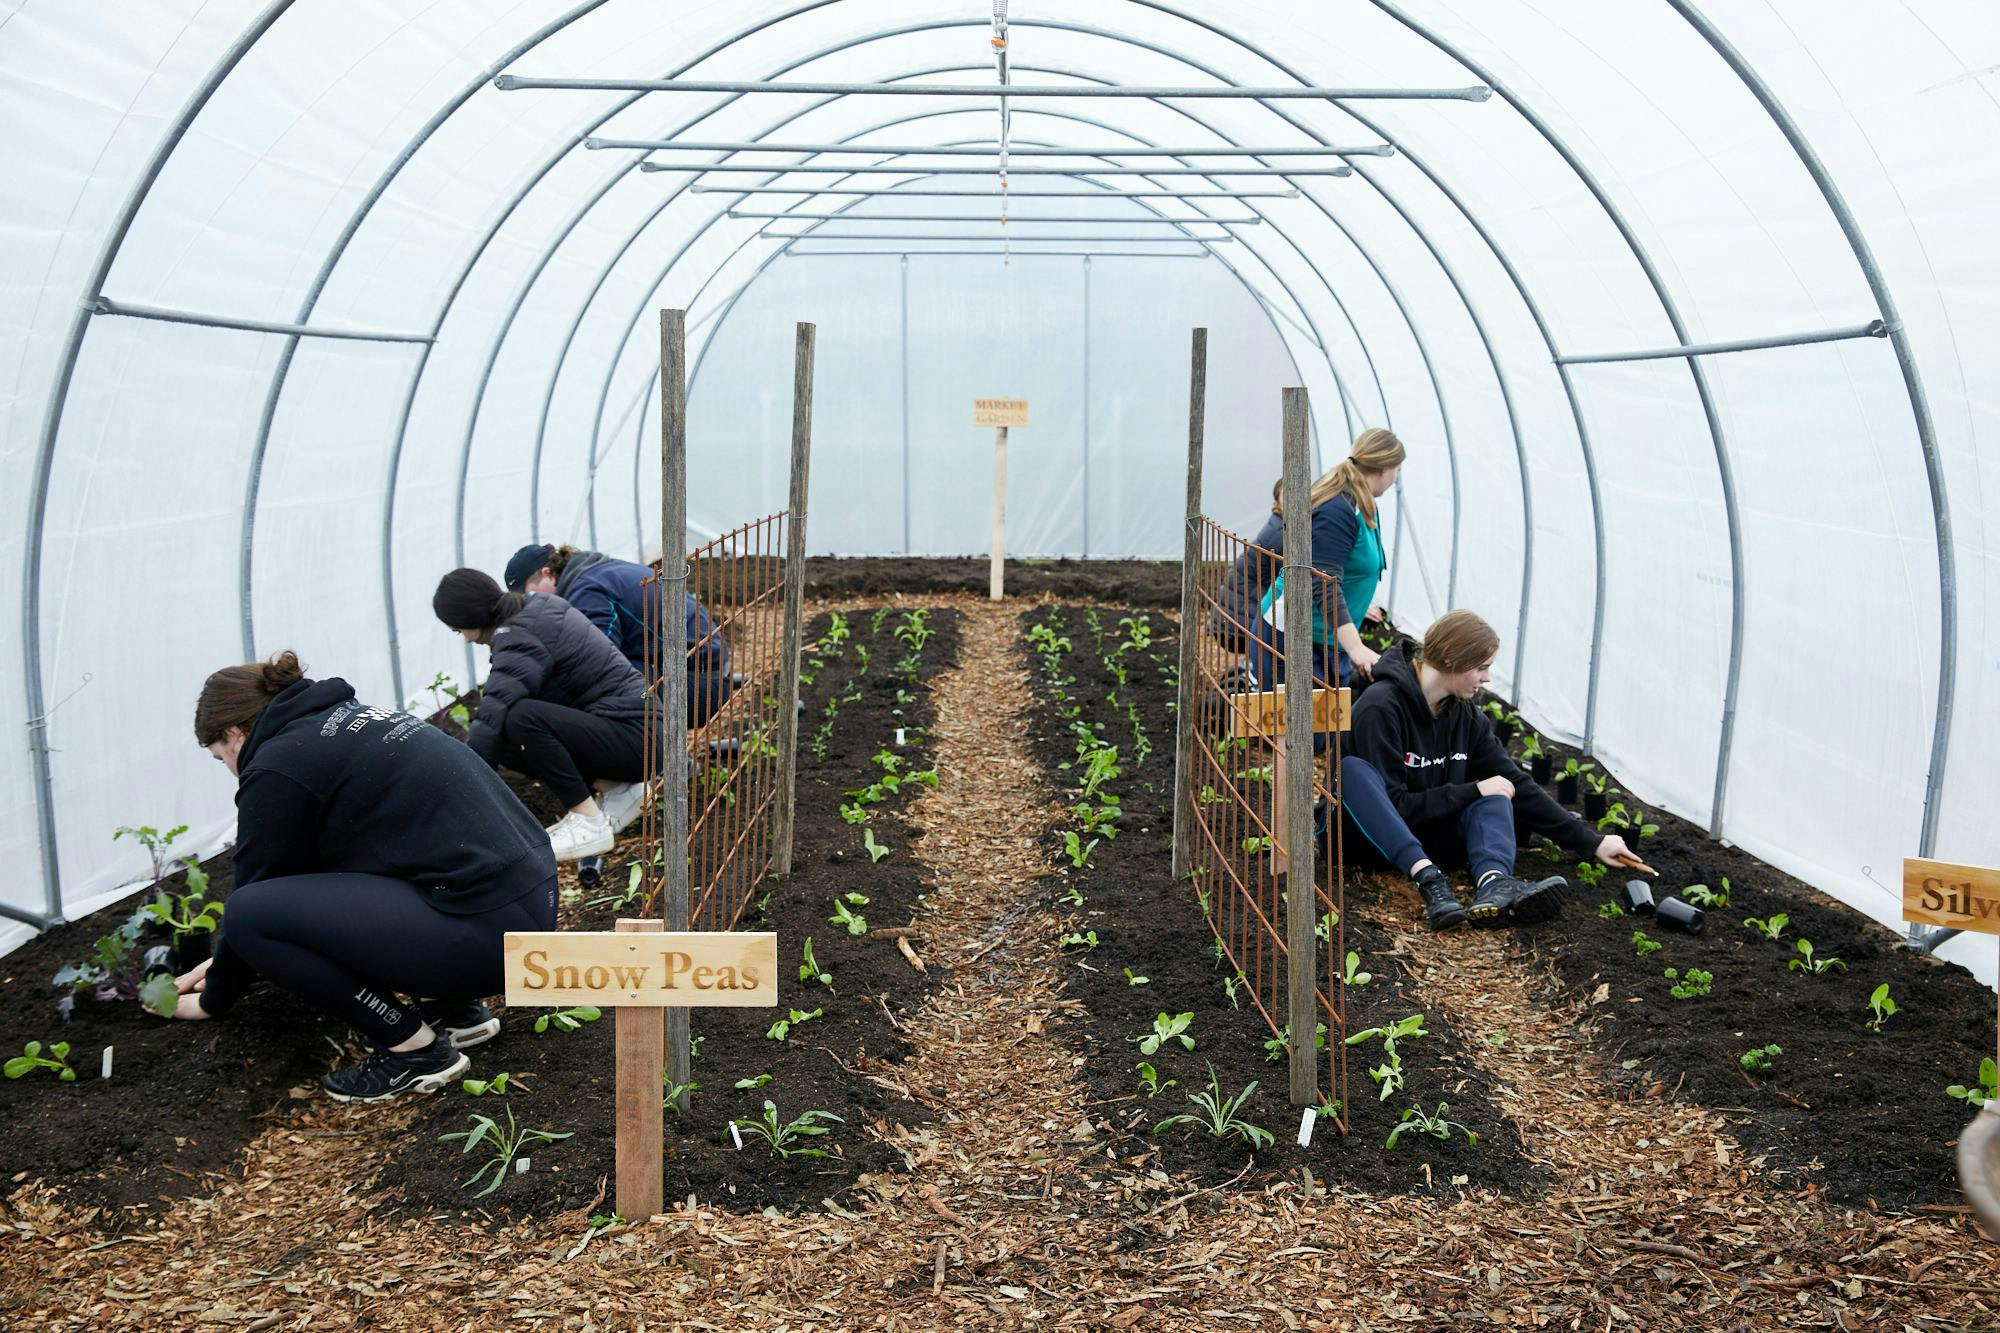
point(1613, 852)
point(1499, 786)
point(190, 1007)
point(194, 979)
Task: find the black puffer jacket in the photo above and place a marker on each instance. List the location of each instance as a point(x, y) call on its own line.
point(550, 652)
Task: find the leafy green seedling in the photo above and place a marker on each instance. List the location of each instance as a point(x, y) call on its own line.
point(783, 1139)
point(673, 1094)
point(1276, 1047)
point(1134, 979)
point(887, 760)
point(856, 924)
point(1805, 962)
point(809, 970)
point(876, 851)
point(1219, 1116)
point(1590, 872)
point(748, 1084)
point(568, 1020)
point(1354, 976)
point(31, 1058)
point(1166, 1029)
point(480, 1087)
point(1077, 850)
point(1086, 941)
point(1389, 1074)
point(1531, 746)
point(1072, 895)
point(1881, 1006)
point(1772, 927)
point(1988, 1089)
point(1706, 898)
point(1609, 911)
point(1255, 846)
point(1759, 1059)
point(782, 1029)
point(1149, 1080)
point(1230, 986)
point(1691, 986)
point(506, 1145)
point(1417, 1120)
point(855, 813)
point(1644, 944)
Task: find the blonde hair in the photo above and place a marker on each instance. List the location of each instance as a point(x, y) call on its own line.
point(1458, 641)
point(1375, 450)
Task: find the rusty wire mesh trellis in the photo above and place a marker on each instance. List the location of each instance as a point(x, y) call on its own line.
point(734, 636)
point(1235, 798)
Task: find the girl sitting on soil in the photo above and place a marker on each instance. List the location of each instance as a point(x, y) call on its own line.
point(375, 856)
point(560, 704)
point(1427, 778)
point(612, 595)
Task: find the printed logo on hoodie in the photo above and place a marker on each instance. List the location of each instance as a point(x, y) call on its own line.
point(1411, 759)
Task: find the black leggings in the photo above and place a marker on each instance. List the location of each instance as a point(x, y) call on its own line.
point(349, 944)
point(567, 749)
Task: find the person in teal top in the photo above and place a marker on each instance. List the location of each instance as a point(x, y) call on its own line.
point(1347, 547)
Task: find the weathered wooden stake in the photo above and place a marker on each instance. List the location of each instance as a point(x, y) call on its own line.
point(673, 684)
point(795, 591)
point(1191, 616)
point(1301, 945)
point(640, 1051)
point(997, 574)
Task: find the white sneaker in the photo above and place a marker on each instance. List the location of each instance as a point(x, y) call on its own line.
point(576, 836)
point(622, 805)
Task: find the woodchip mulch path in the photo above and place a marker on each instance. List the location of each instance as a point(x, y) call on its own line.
point(1013, 1215)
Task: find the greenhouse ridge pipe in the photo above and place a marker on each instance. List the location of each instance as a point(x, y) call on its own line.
point(1913, 384)
point(38, 504)
point(1014, 220)
point(508, 83)
point(1725, 472)
point(975, 150)
point(859, 169)
point(977, 236)
point(1874, 328)
point(793, 252)
point(104, 305)
point(989, 194)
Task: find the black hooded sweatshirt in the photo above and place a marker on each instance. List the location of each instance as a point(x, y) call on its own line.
point(547, 650)
point(326, 783)
point(1432, 762)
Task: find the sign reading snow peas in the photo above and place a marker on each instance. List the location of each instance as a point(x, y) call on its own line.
point(1939, 893)
point(694, 969)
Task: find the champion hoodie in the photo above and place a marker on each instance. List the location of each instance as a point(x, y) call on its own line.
point(1432, 762)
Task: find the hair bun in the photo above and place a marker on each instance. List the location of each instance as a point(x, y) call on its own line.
point(282, 671)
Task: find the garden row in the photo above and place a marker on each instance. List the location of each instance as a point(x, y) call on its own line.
point(1168, 1029)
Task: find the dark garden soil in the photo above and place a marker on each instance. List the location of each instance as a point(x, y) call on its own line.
point(1147, 922)
point(843, 1061)
point(1148, 583)
point(1860, 1115)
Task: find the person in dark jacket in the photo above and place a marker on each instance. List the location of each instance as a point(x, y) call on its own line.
point(375, 858)
point(613, 595)
point(1427, 778)
point(560, 704)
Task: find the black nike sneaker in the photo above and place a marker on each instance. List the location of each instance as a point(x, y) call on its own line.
point(1504, 900)
point(387, 1074)
point(463, 1022)
point(1442, 908)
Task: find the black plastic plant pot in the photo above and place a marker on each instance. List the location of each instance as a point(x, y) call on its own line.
point(1595, 803)
point(1679, 915)
point(1566, 789)
point(589, 870)
point(1503, 732)
point(1638, 897)
point(1543, 767)
point(191, 951)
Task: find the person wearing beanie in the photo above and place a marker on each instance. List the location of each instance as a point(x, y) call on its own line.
point(560, 704)
point(375, 859)
point(613, 595)
point(1427, 779)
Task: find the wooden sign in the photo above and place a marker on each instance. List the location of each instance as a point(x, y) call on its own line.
point(695, 969)
point(999, 411)
point(1939, 893)
point(1264, 714)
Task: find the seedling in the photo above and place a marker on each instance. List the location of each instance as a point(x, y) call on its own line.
point(1616, 817)
point(1149, 1080)
point(876, 851)
point(480, 1087)
point(1276, 1047)
point(117, 970)
point(1692, 986)
point(673, 1094)
point(1100, 766)
point(855, 923)
point(1591, 873)
point(1417, 1120)
point(782, 1029)
point(1572, 769)
point(924, 777)
point(1881, 1006)
point(748, 1084)
point(1354, 976)
point(1609, 911)
point(621, 899)
point(783, 1139)
point(568, 1020)
point(809, 969)
point(1987, 1090)
point(1230, 986)
point(1759, 1059)
point(506, 1145)
point(1098, 819)
point(1077, 850)
point(31, 1058)
point(1389, 1074)
point(1166, 1029)
point(1218, 1116)
point(1771, 928)
point(1805, 962)
point(1531, 746)
point(1323, 928)
point(855, 813)
point(1706, 898)
point(1073, 895)
point(1596, 783)
point(1085, 941)
point(1133, 979)
point(1645, 945)
point(1258, 845)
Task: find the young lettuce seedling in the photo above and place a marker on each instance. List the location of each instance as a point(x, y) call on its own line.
point(1219, 1116)
point(876, 851)
point(1149, 1080)
point(1133, 979)
point(1166, 1029)
point(1644, 945)
point(1609, 911)
point(1987, 1090)
point(1771, 928)
point(505, 1143)
point(1691, 986)
point(1354, 976)
point(1077, 850)
point(1390, 1073)
point(1086, 941)
point(673, 1094)
point(1805, 962)
point(568, 1020)
point(783, 1027)
point(1881, 1006)
point(1706, 898)
point(480, 1087)
point(1417, 1120)
point(783, 1139)
point(809, 970)
point(747, 1084)
point(856, 924)
point(1759, 1059)
point(31, 1058)
point(1072, 895)
point(1230, 985)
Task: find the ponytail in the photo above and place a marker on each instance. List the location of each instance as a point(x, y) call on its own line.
point(470, 599)
point(236, 696)
point(1375, 450)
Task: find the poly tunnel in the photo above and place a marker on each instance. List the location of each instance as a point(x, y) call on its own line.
point(1676, 306)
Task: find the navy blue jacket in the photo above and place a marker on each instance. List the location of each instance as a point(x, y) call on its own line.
point(612, 594)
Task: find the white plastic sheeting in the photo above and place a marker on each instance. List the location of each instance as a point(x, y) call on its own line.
point(175, 490)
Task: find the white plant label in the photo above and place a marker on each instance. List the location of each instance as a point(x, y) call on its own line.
point(899, 735)
point(107, 1063)
point(520, 1166)
point(736, 1136)
point(1306, 1120)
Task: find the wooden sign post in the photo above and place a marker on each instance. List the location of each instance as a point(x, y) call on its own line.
point(640, 970)
point(999, 413)
point(1261, 715)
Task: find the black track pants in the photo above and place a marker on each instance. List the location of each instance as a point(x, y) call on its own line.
point(567, 749)
point(350, 944)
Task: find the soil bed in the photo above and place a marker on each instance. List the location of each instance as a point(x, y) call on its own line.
point(1148, 583)
point(1146, 921)
point(842, 1062)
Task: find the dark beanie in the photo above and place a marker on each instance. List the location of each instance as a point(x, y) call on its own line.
point(524, 564)
point(468, 599)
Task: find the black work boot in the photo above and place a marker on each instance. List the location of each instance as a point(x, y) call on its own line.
point(1441, 906)
point(1503, 900)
